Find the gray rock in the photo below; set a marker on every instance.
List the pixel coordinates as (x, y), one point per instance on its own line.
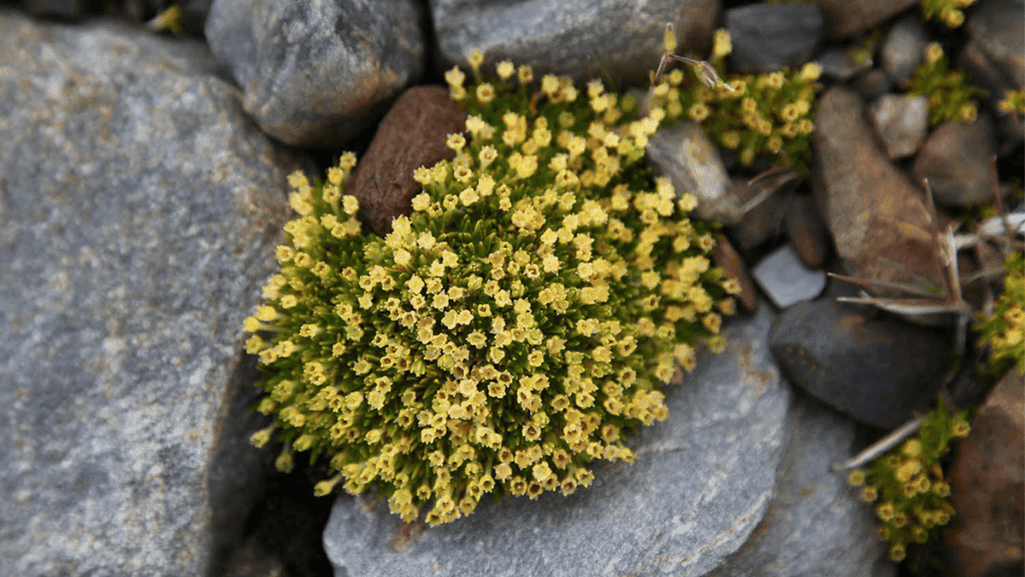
(769, 37)
(316, 73)
(956, 158)
(816, 525)
(901, 123)
(702, 482)
(585, 39)
(995, 57)
(139, 209)
(846, 18)
(876, 370)
(786, 279)
(842, 63)
(902, 49)
(690, 160)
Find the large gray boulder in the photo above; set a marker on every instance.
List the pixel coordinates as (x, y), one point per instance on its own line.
(138, 211)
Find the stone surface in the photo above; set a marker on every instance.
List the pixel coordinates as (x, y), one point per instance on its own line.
(685, 154)
(880, 223)
(315, 73)
(769, 37)
(901, 123)
(807, 233)
(816, 524)
(876, 370)
(139, 209)
(617, 39)
(841, 63)
(411, 135)
(786, 280)
(956, 159)
(987, 485)
(702, 482)
(902, 50)
(995, 57)
(850, 17)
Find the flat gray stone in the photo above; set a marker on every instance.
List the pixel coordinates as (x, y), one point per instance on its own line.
(138, 213)
(582, 38)
(786, 279)
(816, 524)
(702, 481)
(315, 73)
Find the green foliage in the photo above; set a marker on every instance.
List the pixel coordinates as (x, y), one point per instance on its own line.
(908, 483)
(949, 93)
(1004, 329)
(757, 114)
(514, 327)
(948, 11)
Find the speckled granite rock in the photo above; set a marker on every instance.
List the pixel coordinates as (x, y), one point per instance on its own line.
(138, 211)
(316, 73)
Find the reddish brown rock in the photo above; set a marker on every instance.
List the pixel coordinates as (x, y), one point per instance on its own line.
(988, 485)
(726, 256)
(880, 222)
(411, 135)
(806, 231)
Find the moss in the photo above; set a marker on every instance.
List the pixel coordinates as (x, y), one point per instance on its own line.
(1004, 329)
(908, 485)
(758, 115)
(948, 91)
(512, 329)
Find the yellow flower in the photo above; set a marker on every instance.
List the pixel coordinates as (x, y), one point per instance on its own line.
(721, 45)
(810, 72)
(933, 52)
(475, 59)
(525, 74)
(698, 112)
(505, 69)
(485, 93)
(455, 77)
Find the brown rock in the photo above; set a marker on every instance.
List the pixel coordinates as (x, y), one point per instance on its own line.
(988, 485)
(411, 135)
(956, 159)
(880, 223)
(806, 231)
(726, 256)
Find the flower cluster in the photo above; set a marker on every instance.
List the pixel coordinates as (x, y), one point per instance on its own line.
(1004, 329)
(949, 93)
(514, 327)
(756, 114)
(1013, 102)
(948, 11)
(908, 483)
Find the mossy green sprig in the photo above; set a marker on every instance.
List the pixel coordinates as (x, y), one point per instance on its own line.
(908, 484)
(758, 115)
(947, 11)
(514, 327)
(1004, 329)
(948, 91)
